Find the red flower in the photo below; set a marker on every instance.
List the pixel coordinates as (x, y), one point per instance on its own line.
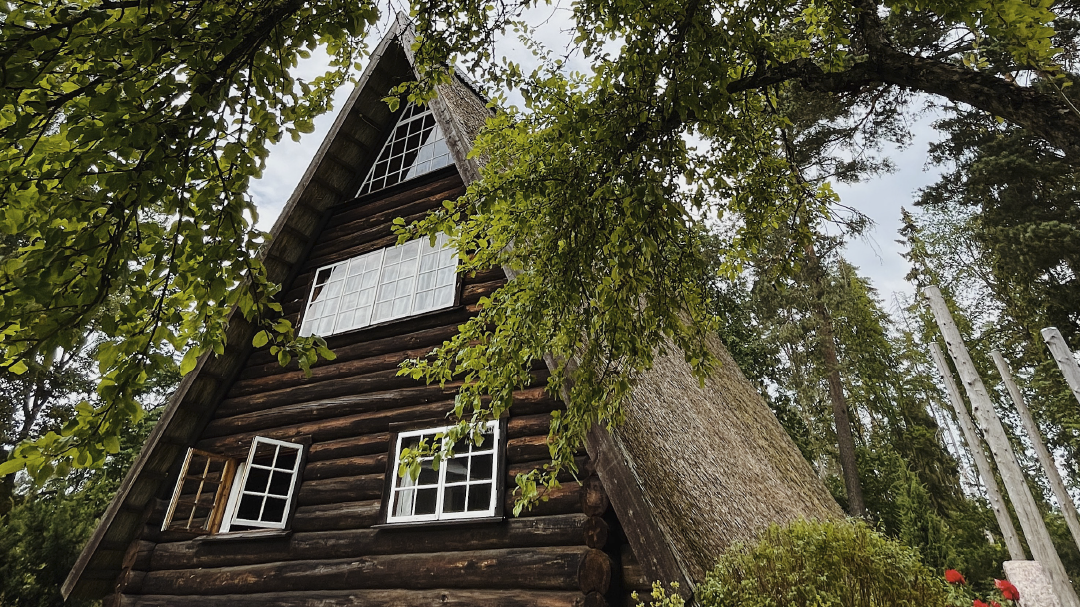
(953, 576)
(995, 604)
(978, 603)
(1007, 590)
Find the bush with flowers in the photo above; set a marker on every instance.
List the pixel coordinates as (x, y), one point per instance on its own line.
(830, 564)
(960, 595)
(824, 564)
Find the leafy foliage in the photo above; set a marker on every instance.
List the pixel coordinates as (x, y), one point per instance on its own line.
(43, 534)
(823, 564)
(130, 132)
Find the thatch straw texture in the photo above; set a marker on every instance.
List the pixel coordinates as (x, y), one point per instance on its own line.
(715, 465)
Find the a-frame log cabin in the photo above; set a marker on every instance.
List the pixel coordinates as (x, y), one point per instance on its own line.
(259, 486)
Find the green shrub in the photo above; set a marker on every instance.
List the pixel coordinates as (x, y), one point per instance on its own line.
(822, 564)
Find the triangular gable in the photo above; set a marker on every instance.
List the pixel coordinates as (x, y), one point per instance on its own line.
(334, 176)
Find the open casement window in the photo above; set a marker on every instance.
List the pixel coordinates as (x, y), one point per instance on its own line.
(416, 146)
(218, 494)
(263, 495)
(383, 285)
(198, 502)
(465, 486)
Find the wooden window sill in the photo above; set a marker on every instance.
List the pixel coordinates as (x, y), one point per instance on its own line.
(485, 520)
(261, 534)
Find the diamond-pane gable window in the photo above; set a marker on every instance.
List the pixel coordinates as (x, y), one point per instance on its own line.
(416, 146)
(383, 285)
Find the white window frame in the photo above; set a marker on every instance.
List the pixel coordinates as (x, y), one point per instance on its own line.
(231, 517)
(400, 484)
(430, 154)
(348, 291)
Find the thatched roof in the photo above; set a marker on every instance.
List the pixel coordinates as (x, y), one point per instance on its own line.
(691, 470)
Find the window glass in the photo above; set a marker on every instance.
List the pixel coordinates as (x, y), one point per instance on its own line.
(382, 285)
(266, 484)
(463, 487)
(416, 146)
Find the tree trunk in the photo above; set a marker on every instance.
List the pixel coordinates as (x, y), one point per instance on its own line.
(845, 442)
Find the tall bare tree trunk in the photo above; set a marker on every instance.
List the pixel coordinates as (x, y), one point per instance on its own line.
(845, 441)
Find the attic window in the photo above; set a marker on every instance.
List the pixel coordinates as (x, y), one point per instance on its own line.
(216, 493)
(416, 146)
(387, 284)
(465, 486)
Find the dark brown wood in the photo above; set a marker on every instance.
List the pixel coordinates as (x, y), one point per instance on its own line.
(345, 405)
(348, 488)
(596, 532)
(522, 425)
(328, 429)
(528, 448)
(596, 599)
(541, 568)
(369, 382)
(346, 466)
(564, 530)
(350, 447)
(448, 597)
(594, 500)
(355, 345)
(594, 572)
(281, 378)
(337, 515)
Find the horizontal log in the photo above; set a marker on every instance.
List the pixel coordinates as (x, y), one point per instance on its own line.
(351, 446)
(369, 382)
(339, 229)
(346, 466)
(342, 489)
(375, 406)
(446, 186)
(544, 568)
(564, 500)
(330, 248)
(341, 515)
(340, 406)
(448, 597)
(527, 448)
(236, 445)
(528, 425)
(281, 378)
(380, 239)
(564, 530)
(262, 362)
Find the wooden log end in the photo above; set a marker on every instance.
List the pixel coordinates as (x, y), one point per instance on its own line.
(594, 572)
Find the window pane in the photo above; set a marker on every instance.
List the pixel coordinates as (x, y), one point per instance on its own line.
(426, 501)
(454, 498)
(428, 475)
(481, 467)
(404, 502)
(280, 482)
(250, 505)
(257, 480)
(457, 470)
(286, 458)
(274, 510)
(479, 497)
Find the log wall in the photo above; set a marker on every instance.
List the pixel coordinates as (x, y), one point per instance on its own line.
(565, 552)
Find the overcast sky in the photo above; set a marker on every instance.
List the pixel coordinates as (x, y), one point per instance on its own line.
(877, 255)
